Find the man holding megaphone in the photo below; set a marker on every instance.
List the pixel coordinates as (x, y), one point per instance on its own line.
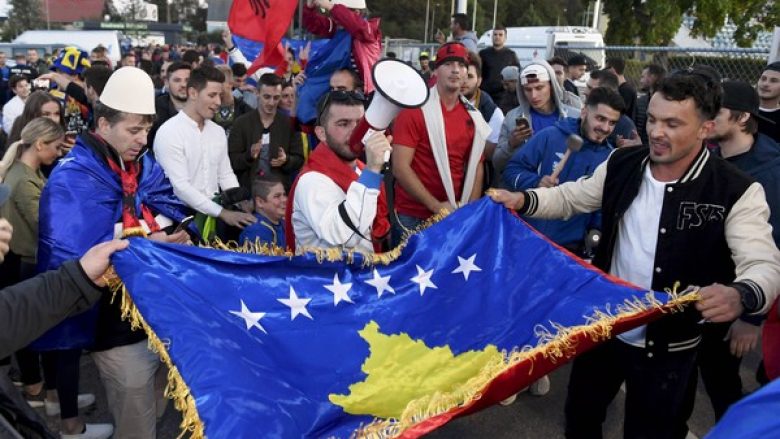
(337, 200)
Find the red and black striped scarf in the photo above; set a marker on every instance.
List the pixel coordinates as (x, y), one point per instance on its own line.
(131, 224)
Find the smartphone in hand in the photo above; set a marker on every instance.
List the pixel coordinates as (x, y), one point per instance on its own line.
(41, 84)
(522, 123)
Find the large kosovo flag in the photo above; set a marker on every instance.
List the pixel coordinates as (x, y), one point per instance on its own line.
(470, 311)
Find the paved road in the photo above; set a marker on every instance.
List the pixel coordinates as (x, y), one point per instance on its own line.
(529, 417)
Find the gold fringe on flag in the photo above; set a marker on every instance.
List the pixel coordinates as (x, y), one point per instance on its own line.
(177, 389)
(555, 343)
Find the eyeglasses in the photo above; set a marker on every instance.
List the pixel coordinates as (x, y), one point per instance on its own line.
(340, 96)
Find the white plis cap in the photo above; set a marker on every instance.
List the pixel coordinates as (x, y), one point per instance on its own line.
(129, 90)
(352, 4)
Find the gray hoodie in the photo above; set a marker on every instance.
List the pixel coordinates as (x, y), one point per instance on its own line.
(503, 150)
(469, 39)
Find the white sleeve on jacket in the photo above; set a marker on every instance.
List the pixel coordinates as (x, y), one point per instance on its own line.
(169, 152)
(749, 236)
(568, 199)
(316, 218)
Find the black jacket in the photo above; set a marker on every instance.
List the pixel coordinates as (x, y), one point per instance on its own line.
(30, 308)
(692, 247)
(713, 228)
(248, 129)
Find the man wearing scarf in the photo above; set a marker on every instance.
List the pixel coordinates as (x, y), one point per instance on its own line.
(104, 189)
(337, 200)
(438, 147)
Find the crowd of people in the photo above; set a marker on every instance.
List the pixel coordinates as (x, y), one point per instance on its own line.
(677, 183)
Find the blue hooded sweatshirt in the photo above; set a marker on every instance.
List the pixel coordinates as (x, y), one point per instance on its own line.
(538, 158)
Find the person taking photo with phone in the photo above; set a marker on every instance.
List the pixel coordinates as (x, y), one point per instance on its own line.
(540, 105)
(68, 75)
(264, 143)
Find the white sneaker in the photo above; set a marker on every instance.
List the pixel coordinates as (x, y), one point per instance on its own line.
(540, 387)
(85, 400)
(92, 431)
(509, 401)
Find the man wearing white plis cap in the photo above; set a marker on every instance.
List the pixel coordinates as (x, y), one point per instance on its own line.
(105, 188)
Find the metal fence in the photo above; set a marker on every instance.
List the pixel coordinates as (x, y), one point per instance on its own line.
(735, 63)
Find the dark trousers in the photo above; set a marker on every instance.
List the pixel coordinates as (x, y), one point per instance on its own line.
(719, 368)
(400, 225)
(66, 364)
(657, 391)
(28, 360)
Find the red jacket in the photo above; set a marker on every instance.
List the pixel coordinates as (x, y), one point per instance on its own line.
(366, 36)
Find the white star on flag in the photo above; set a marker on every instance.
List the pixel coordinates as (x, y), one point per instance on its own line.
(423, 279)
(297, 305)
(466, 266)
(381, 283)
(339, 290)
(251, 319)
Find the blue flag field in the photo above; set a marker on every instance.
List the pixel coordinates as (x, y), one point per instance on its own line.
(469, 311)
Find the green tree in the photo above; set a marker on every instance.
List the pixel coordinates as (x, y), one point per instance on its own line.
(406, 18)
(189, 12)
(655, 22)
(23, 15)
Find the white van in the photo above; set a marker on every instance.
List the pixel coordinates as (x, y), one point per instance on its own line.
(547, 41)
(83, 39)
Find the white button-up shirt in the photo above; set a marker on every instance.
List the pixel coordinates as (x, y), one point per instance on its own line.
(195, 161)
(11, 110)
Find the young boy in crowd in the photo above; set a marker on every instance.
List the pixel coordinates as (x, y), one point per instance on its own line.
(270, 203)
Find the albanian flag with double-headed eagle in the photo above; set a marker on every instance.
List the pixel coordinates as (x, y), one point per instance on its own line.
(465, 313)
(263, 21)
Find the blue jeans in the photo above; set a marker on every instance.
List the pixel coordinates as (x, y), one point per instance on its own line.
(401, 225)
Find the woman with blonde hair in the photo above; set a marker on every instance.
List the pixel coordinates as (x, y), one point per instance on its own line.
(20, 169)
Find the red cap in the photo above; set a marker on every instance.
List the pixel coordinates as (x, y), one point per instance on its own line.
(452, 52)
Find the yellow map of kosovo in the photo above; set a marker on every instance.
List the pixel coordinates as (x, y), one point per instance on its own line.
(401, 370)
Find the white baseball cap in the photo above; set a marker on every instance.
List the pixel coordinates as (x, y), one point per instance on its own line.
(352, 4)
(129, 90)
(534, 73)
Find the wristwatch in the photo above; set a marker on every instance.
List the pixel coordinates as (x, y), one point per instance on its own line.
(747, 297)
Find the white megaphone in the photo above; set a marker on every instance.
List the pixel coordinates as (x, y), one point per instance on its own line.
(398, 85)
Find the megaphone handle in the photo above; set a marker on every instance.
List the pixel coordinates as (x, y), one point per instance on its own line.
(370, 132)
